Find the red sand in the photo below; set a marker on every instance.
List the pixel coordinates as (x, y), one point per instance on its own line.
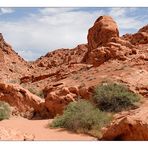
(40, 130)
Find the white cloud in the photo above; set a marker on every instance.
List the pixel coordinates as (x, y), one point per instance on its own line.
(53, 11)
(124, 20)
(6, 10)
(117, 12)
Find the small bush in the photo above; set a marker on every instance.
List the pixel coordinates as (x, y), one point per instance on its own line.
(32, 90)
(40, 94)
(81, 116)
(114, 97)
(35, 92)
(4, 110)
(14, 81)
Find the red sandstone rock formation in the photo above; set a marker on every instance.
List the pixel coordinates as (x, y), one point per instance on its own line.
(58, 98)
(104, 42)
(102, 31)
(12, 66)
(132, 125)
(141, 37)
(22, 101)
(62, 57)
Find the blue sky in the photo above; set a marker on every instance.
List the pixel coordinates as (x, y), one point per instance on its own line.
(33, 32)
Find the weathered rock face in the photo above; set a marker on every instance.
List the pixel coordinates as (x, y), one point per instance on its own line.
(103, 30)
(144, 29)
(132, 125)
(22, 101)
(1, 49)
(117, 48)
(7, 51)
(1, 56)
(1, 52)
(11, 64)
(58, 98)
(61, 57)
(32, 78)
(104, 42)
(141, 37)
(11, 134)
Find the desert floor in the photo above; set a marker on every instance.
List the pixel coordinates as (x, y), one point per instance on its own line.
(39, 129)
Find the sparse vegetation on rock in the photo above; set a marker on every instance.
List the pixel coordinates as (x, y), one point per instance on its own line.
(82, 117)
(36, 92)
(114, 97)
(23, 102)
(14, 81)
(5, 110)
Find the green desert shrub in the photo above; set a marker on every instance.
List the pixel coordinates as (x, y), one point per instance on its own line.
(36, 92)
(83, 117)
(114, 97)
(4, 110)
(40, 94)
(14, 81)
(32, 90)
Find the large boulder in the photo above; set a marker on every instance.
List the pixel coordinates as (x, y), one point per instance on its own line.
(131, 125)
(21, 100)
(57, 99)
(102, 31)
(104, 42)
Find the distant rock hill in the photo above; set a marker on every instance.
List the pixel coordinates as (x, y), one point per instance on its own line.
(12, 66)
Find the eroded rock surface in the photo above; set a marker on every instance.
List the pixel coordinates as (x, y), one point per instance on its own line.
(104, 42)
(57, 100)
(132, 125)
(12, 66)
(21, 100)
(102, 31)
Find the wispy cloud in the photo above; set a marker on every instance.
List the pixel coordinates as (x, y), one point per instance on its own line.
(117, 12)
(6, 10)
(123, 18)
(54, 11)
